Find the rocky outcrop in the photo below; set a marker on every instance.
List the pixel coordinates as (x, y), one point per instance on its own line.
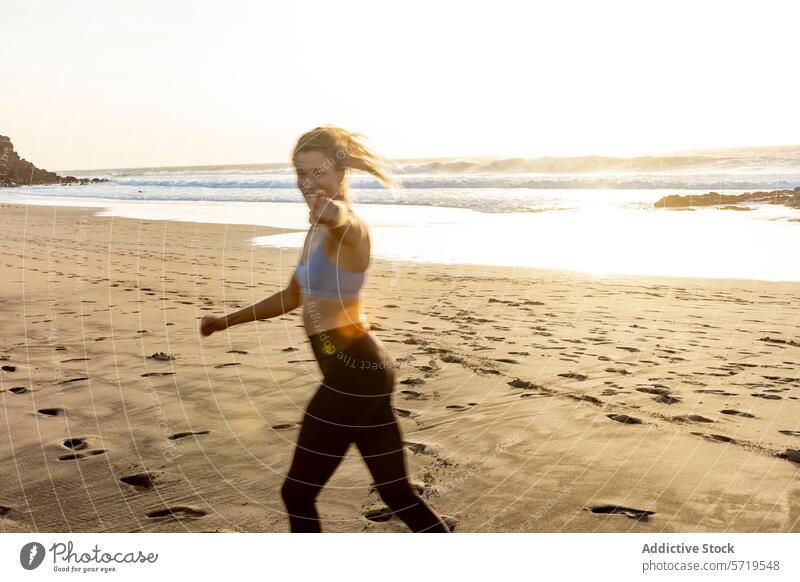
(790, 198)
(16, 171)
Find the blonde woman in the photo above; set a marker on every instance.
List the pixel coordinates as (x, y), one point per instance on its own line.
(354, 402)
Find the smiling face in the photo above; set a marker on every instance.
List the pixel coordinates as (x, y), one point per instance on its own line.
(315, 171)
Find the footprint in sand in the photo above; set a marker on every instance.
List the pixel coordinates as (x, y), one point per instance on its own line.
(792, 455)
(147, 374)
(575, 376)
(83, 455)
(236, 352)
(62, 382)
(732, 412)
(52, 411)
(77, 443)
(178, 513)
(403, 413)
(790, 432)
(412, 381)
(637, 514)
(665, 399)
(624, 418)
(413, 395)
(457, 407)
(767, 396)
(284, 426)
(19, 390)
(586, 398)
(183, 435)
(662, 395)
(524, 384)
(228, 364)
(4, 511)
(717, 392)
(715, 438)
(141, 481)
(419, 448)
(9, 368)
(691, 418)
(659, 391)
(627, 349)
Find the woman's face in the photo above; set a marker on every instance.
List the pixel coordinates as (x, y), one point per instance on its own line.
(315, 172)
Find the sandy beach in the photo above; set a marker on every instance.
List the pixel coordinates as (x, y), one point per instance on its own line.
(531, 400)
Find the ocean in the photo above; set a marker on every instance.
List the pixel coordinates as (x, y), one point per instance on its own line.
(590, 214)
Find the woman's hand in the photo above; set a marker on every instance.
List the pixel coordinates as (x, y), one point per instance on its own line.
(327, 211)
(210, 323)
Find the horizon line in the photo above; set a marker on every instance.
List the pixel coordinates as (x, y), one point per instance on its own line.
(662, 153)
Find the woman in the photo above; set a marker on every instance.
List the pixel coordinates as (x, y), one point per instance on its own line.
(354, 401)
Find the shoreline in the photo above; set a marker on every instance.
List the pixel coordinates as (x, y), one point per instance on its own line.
(507, 271)
(529, 399)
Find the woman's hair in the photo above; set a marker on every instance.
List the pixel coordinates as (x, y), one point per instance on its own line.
(347, 150)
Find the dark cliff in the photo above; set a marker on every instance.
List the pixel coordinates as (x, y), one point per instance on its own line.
(16, 171)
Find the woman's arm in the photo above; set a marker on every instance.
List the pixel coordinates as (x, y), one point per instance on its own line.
(272, 306)
(343, 224)
(282, 302)
(351, 229)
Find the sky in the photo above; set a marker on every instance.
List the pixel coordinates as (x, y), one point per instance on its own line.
(108, 84)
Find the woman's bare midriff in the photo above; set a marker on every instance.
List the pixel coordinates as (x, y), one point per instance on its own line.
(324, 313)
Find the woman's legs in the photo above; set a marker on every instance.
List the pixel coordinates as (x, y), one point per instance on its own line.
(382, 449)
(353, 404)
(321, 445)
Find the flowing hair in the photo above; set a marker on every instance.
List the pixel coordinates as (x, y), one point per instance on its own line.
(345, 149)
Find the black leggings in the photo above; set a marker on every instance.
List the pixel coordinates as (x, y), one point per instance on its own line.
(353, 404)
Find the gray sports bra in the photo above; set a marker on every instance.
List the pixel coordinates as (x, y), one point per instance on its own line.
(317, 276)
